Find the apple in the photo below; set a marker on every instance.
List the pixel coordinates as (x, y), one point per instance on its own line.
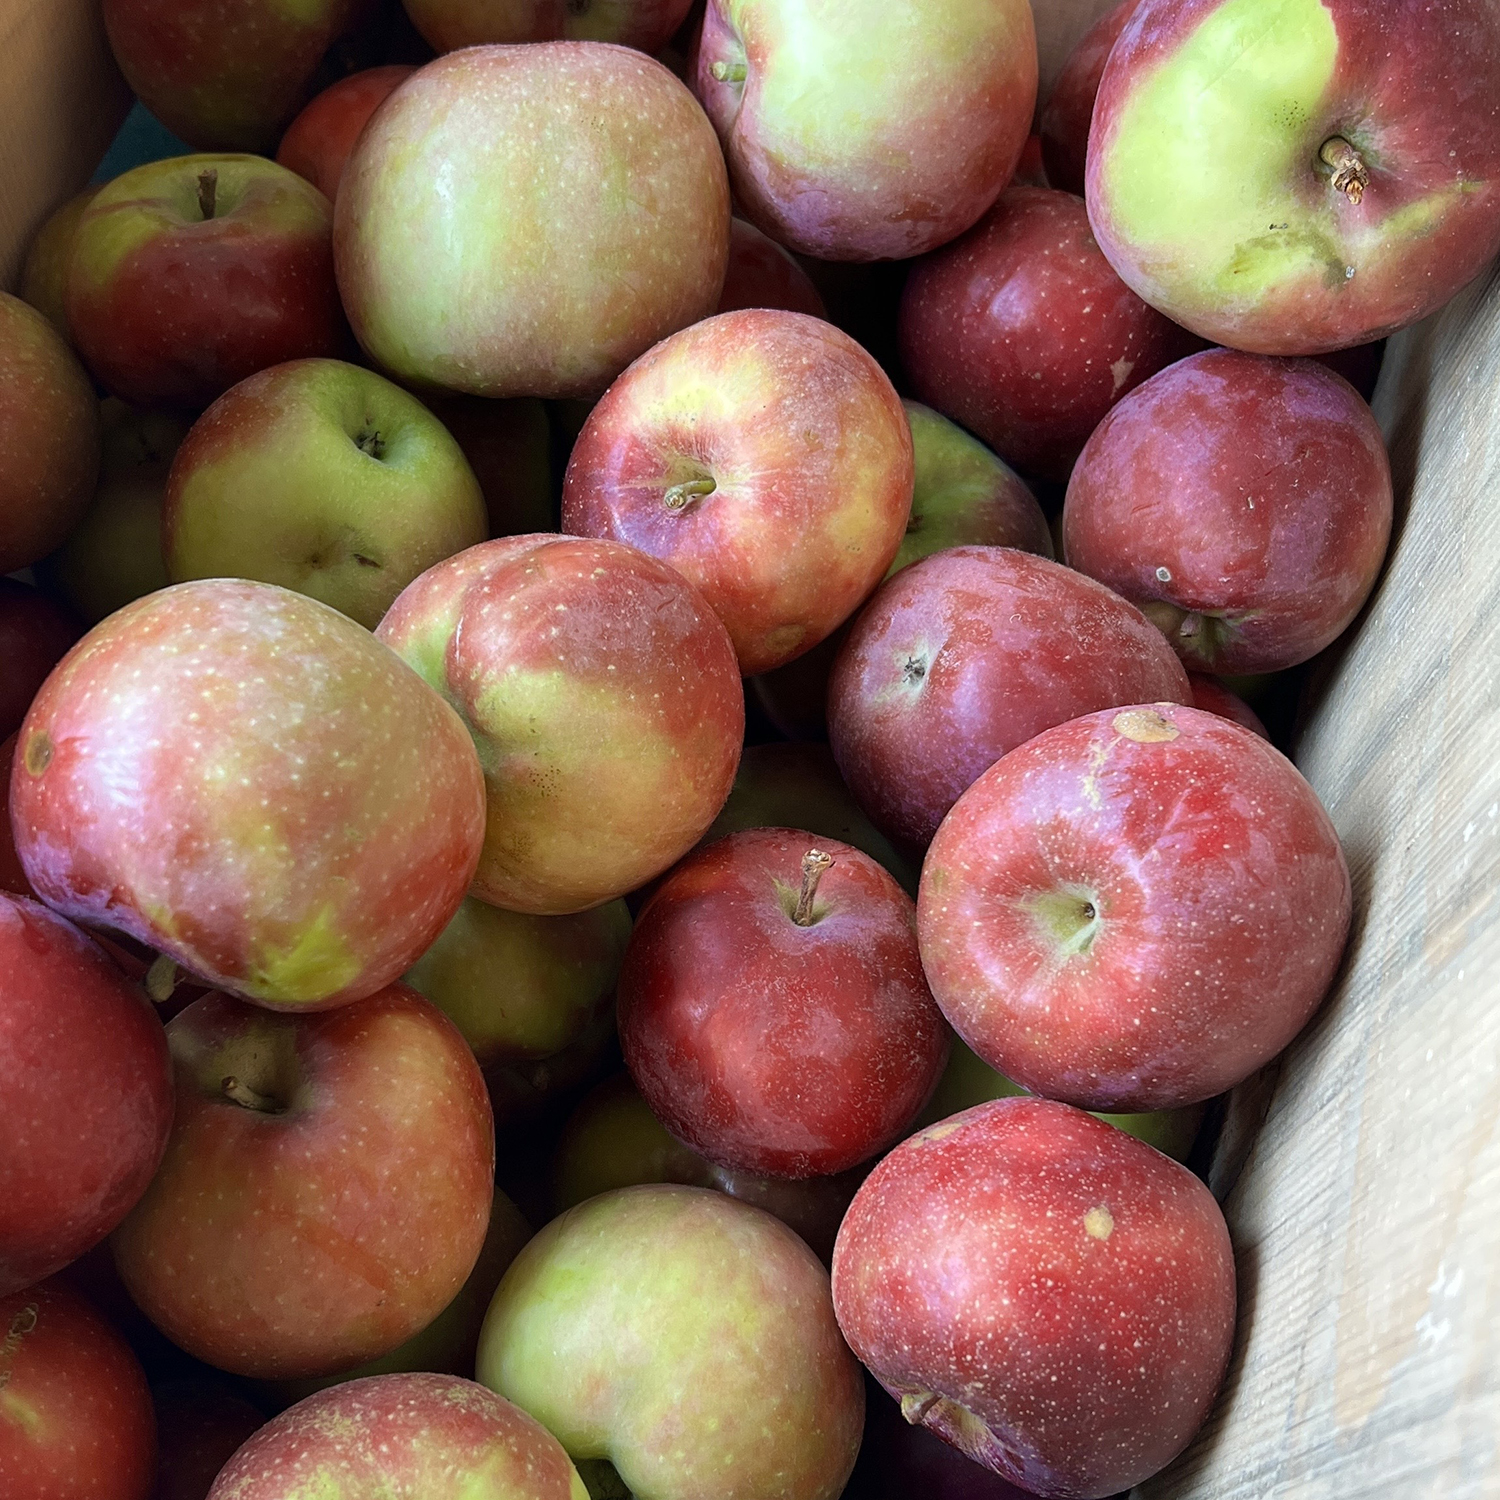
(322, 477)
(509, 447)
(1022, 332)
(75, 1414)
(88, 1093)
(318, 142)
(35, 634)
(765, 456)
(449, 24)
(964, 495)
(772, 1007)
(795, 697)
(966, 655)
(569, 658)
(523, 988)
(782, 785)
(681, 1344)
(1069, 110)
(1213, 697)
(525, 221)
(410, 1435)
(1159, 883)
(189, 274)
(763, 274)
(968, 1080)
(612, 1140)
(1049, 1295)
(1300, 179)
(49, 436)
(531, 1098)
(199, 1427)
(326, 1189)
(44, 277)
(223, 74)
(12, 877)
(113, 555)
(867, 131)
(1243, 503)
(243, 779)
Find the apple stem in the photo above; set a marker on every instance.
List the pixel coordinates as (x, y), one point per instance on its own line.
(208, 192)
(727, 72)
(681, 496)
(161, 979)
(814, 863)
(247, 1098)
(1350, 174)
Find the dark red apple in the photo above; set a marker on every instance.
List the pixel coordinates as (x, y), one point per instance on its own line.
(968, 654)
(245, 780)
(318, 142)
(1022, 332)
(1160, 884)
(763, 274)
(326, 1189)
(75, 1415)
(1069, 110)
(1048, 1294)
(773, 1011)
(35, 633)
(1243, 503)
(766, 457)
(1213, 697)
(88, 1093)
(49, 436)
(199, 1427)
(190, 274)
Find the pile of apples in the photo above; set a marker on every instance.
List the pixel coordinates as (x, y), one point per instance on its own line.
(395, 795)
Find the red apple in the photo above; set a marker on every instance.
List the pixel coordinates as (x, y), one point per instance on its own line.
(244, 779)
(1069, 111)
(509, 447)
(1048, 1294)
(35, 633)
(1354, 181)
(765, 456)
(318, 142)
(49, 436)
(1022, 332)
(323, 477)
(223, 74)
(411, 1435)
(75, 1415)
(762, 274)
(1243, 503)
(773, 1011)
(1159, 883)
(525, 221)
(44, 277)
(966, 655)
(450, 24)
(1213, 697)
(199, 1427)
(88, 1093)
(569, 658)
(326, 1189)
(189, 274)
(867, 131)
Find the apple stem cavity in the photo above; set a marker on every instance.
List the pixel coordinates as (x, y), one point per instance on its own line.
(814, 863)
(370, 441)
(247, 1098)
(681, 497)
(1350, 174)
(208, 192)
(728, 72)
(161, 978)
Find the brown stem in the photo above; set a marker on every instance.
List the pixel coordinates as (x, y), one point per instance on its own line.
(814, 863)
(208, 191)
(681, 496)
(247, 1098)
(161, 979)
(1350, 174)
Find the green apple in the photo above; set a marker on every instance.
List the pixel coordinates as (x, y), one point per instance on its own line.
(322, 477)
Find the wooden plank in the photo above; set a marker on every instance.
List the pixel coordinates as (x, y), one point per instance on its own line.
(1367, 1218)
(63, 101)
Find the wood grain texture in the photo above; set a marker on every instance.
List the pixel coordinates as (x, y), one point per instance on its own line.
(1367, 1217)
(61, 101)
(1059, 25)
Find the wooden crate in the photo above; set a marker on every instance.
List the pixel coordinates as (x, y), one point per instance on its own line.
(1364, 1167)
